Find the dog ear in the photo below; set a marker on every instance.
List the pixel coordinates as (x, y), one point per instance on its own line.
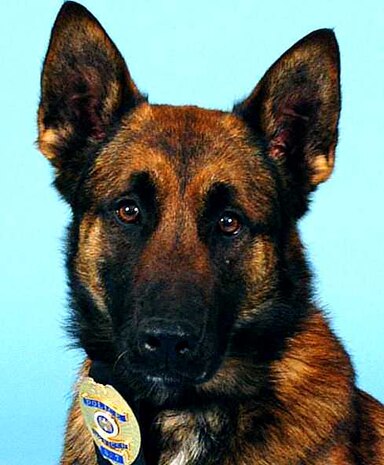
(296, 107)
(85, 88)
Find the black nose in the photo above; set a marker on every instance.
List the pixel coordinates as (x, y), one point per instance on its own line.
(165, 341)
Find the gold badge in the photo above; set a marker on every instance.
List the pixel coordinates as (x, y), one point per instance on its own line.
(111, 422)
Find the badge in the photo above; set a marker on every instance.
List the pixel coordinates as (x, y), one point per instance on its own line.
(111, 422)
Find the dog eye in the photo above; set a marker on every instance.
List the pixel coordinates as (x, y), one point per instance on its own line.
(127, 211)
(230, 224)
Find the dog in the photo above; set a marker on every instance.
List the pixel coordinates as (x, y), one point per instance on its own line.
(187, 276)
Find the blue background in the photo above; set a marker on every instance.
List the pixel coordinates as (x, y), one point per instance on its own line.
(210, 54)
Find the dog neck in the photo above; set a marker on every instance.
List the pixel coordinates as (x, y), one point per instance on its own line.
(313, 386)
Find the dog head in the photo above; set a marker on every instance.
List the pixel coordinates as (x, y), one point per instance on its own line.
(185, 267)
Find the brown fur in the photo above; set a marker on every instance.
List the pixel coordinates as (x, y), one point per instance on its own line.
(317, 408)
(295, 404)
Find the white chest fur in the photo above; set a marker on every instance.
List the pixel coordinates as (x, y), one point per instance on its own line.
(180, 459)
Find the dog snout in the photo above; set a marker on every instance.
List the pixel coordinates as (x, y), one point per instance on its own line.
(167, 342)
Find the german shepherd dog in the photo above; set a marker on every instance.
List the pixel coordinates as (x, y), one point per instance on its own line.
(187, 276)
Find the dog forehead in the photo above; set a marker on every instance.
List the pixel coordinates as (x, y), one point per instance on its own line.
(183, 131)
(182, 148)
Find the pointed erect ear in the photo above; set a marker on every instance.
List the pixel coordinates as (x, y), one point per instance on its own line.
(296, 107)
(85, 89)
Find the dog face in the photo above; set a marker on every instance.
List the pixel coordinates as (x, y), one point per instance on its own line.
(183, 256)
(174, 236)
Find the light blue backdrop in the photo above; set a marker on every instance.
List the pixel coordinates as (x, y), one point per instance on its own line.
(209, 53)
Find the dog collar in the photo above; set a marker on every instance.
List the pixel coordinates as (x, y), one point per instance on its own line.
(111, 422)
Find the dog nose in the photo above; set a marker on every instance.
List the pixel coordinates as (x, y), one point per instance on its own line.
(166, 342)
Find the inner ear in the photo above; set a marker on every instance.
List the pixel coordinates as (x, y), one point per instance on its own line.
(296, 106)
(289, 133)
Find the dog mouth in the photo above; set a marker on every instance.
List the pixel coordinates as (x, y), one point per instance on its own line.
(159, 389)
(159, 385)
(168, 377)
(165, 361)
(175, 380)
